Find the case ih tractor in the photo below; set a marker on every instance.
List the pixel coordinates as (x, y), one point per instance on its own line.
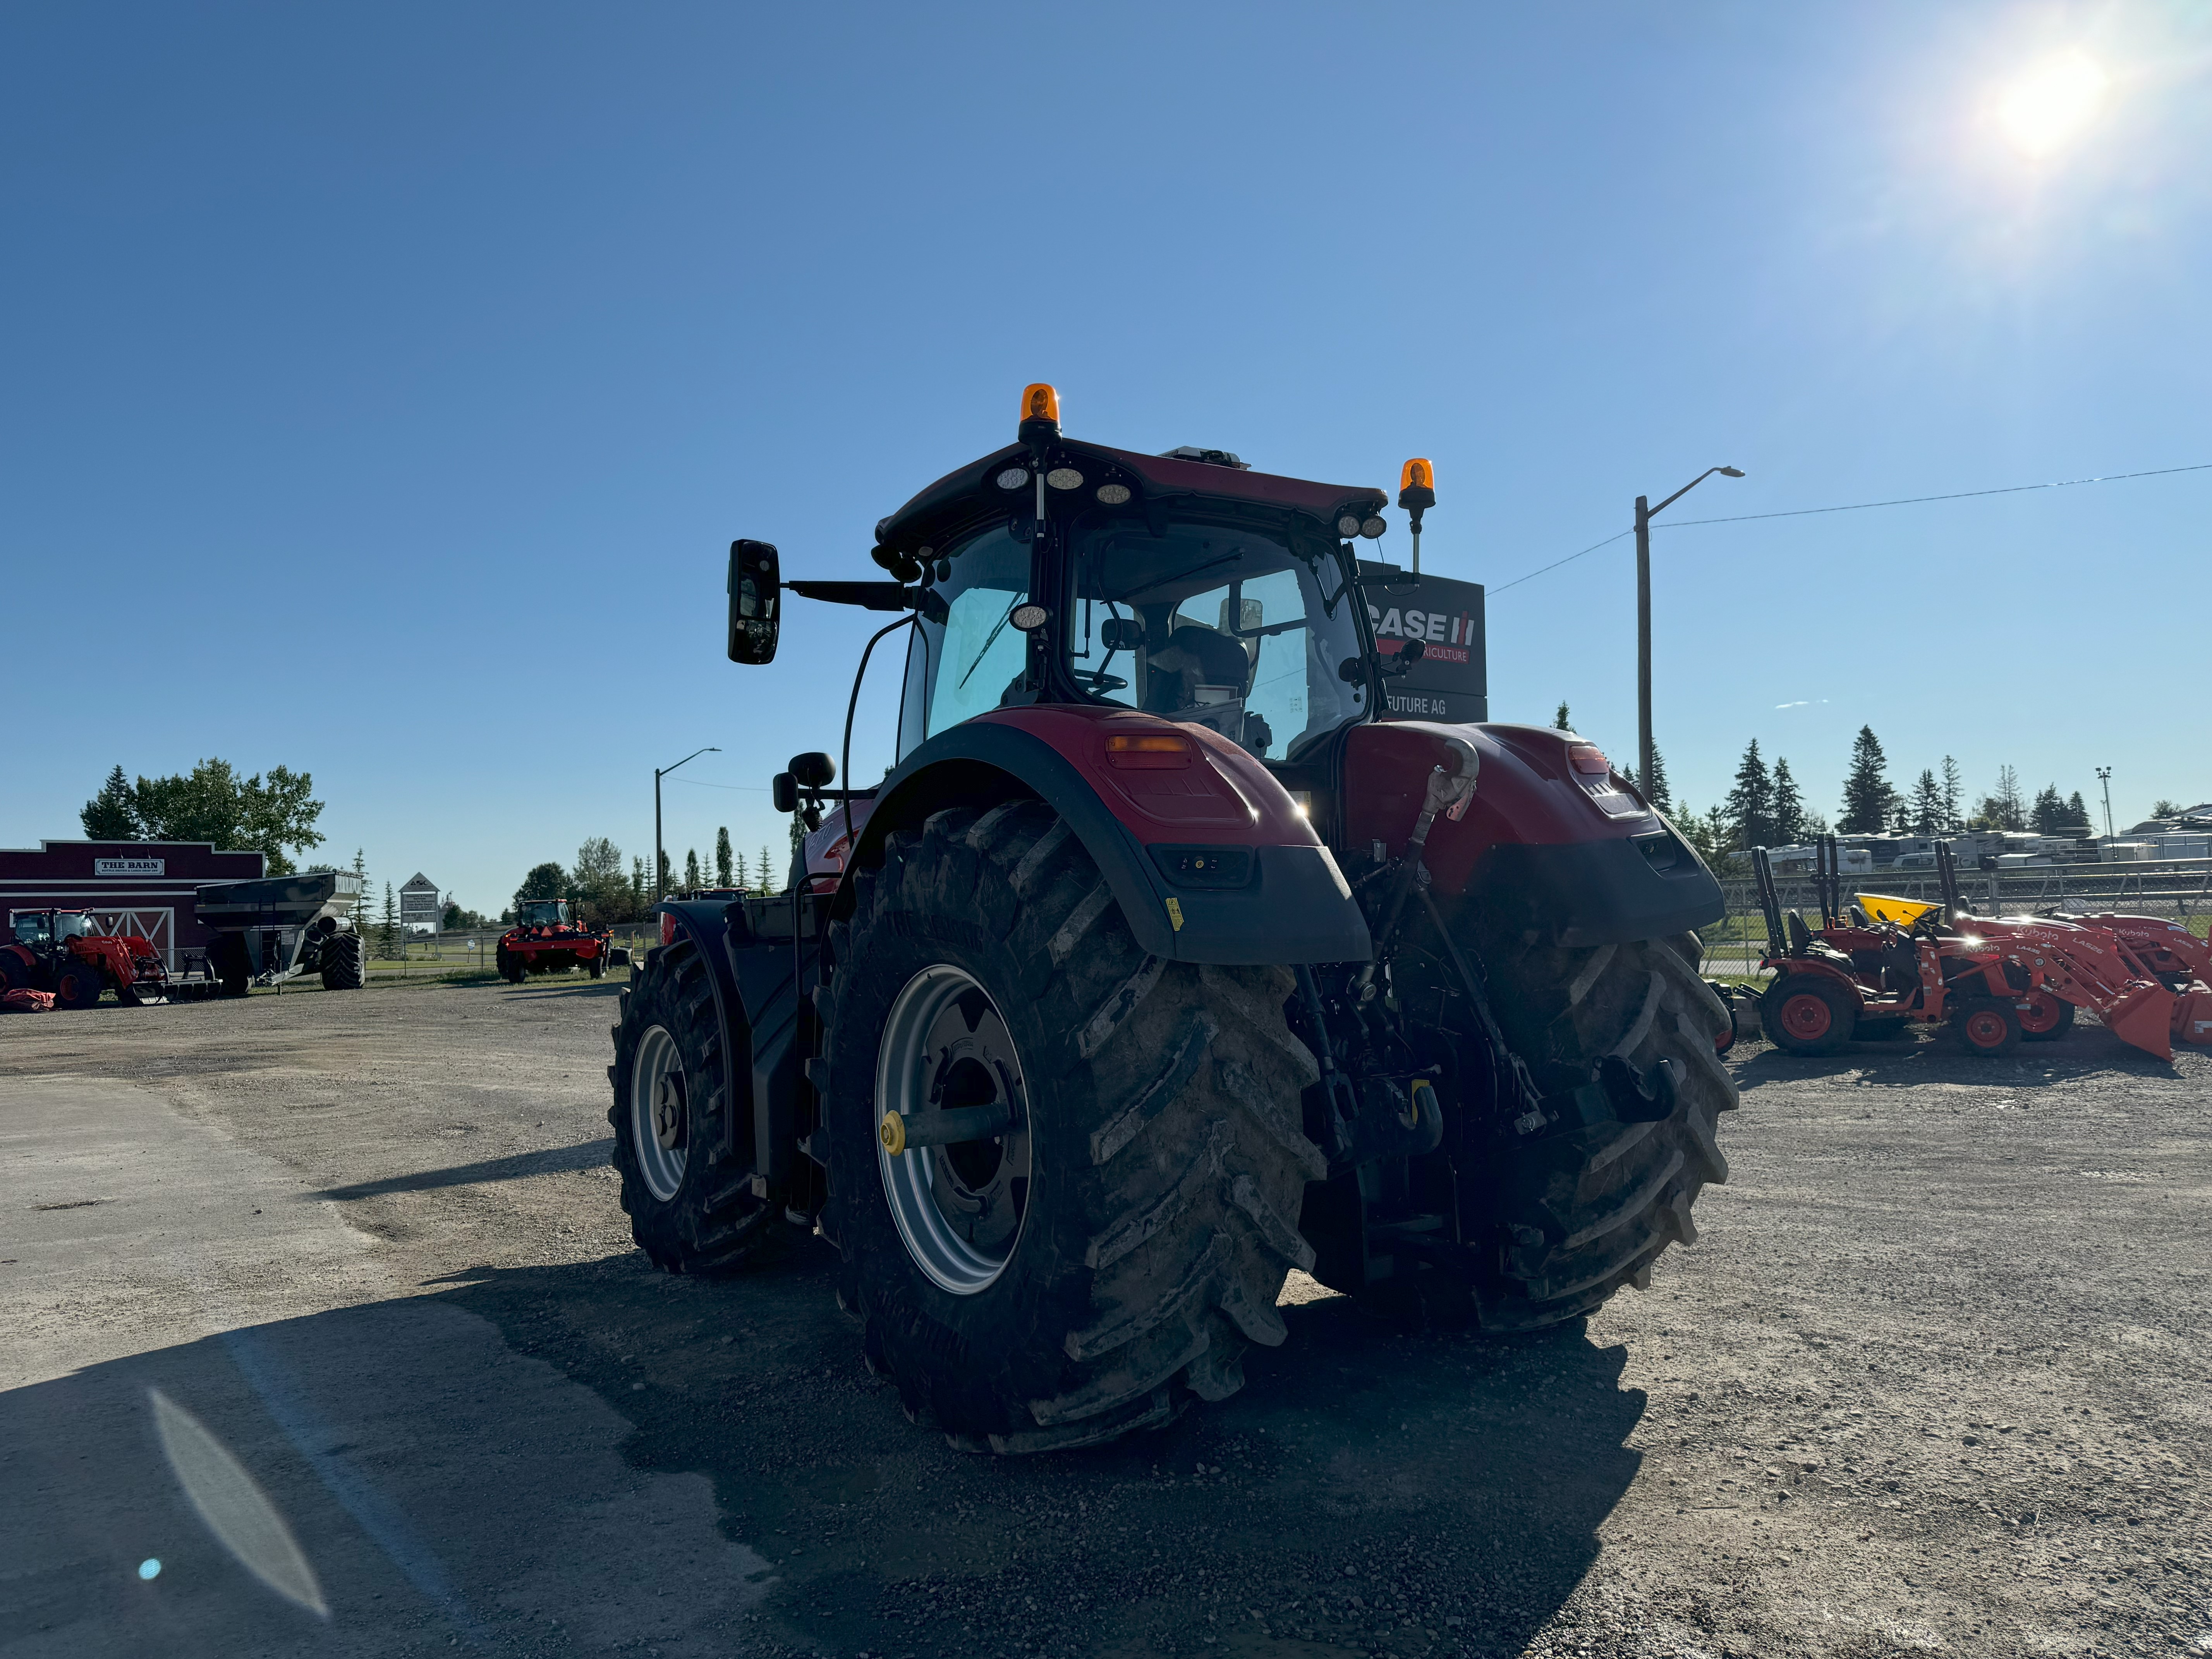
(63, 952)
(545, 940)
(1158, 965)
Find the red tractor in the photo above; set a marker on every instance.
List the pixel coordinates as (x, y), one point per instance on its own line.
(63, 952)
(1161, 964)
(546, 940)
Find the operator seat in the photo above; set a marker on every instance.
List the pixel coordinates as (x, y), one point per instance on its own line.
(1194, 655)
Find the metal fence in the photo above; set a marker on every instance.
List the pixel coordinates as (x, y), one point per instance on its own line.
(2177, 888)
(435, 956)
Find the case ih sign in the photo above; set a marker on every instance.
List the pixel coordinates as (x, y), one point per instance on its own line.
(1452, 681)
(145, 888)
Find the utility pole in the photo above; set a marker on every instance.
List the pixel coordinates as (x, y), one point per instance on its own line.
(660, 855)
(1645, 514)
(2105, 777)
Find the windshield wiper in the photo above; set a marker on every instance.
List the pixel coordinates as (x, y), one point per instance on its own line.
(996, 630)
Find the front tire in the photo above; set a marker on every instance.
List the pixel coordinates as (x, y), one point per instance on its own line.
(2044, 1019)
(77, 983)
(1110, 1256)
(1806, 1014)
(1988, 1025)
(690, 1209)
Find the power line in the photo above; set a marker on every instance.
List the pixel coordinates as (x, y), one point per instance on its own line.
(743, 788)
(1860, 507)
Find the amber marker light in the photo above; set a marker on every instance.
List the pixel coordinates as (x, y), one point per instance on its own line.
(1040, 402)
(1417, 476)
(1148, 751)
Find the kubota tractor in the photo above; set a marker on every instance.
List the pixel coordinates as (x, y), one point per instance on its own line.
(63, 952)
(1159, 965)
(546, 940)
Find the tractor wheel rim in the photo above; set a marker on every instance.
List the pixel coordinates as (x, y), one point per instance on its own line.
(1807, 1016)
(659, 1112)
(960, 1209)
(2039, 1013)
(1984, 1030)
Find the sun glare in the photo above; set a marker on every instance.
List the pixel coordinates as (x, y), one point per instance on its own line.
(2052, 103)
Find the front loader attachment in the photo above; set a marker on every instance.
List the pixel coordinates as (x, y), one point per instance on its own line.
(2143, 1015)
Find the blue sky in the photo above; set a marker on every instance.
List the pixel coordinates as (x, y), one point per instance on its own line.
(383, 386)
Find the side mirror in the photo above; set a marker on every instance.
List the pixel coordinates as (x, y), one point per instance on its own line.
(1121, 634)
(783, 791)
(755, 591)
(814, 770)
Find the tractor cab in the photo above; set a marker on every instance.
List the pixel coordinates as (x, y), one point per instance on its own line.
(541, 912)
(43, 929)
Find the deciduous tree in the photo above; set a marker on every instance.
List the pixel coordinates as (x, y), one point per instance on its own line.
(725, 869)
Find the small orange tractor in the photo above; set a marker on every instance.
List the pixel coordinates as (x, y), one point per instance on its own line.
(2171, 954)
(63, 952)
(546, 940)
(1896, 962)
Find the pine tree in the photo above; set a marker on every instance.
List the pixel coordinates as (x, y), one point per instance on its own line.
(1789, 807)
(1954, 800)
(2002, 808)
(1925, 812)
(641, 890)
(361, 902)
(113, 814)
(1750, 805)
(1655, 790)
(2048, 815)
(387, 930)
(1561, 722)
(767, 872)
(1867, 793)
(724, 874)
(797, 837)
(2077, 810)
(744, 883)
(691, 883)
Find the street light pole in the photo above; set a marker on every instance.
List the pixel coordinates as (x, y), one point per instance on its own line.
(659, 852)
(1645, 514)
(2105, 777)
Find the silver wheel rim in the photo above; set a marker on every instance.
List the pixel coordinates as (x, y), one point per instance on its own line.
(960, 1209)
(659, 1112)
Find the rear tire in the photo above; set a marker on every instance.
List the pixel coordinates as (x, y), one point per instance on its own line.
(599, 963)
(77, 983)
(16, 974)
(1147, 1194)
(1807, 1014)
(1576, 1211)
(344, 969)
(2046, 1019)
(690, 1210)
(1988, 1026)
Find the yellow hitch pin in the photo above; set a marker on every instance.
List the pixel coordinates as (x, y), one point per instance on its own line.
(892, 1133)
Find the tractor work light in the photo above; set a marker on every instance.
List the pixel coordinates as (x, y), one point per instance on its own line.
(1029, 617)
(1373, 527)
(1113, 494)
(1013, 477)
(1063, 477)
(1149, 751)
(1348, 526)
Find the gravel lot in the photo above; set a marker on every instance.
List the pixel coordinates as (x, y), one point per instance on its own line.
(1935, 1380)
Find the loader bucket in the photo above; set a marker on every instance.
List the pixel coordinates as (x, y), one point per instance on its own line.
(2143, 1015)
(1904, 912)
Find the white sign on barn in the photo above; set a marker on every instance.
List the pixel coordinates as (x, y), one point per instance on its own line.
(419, 907)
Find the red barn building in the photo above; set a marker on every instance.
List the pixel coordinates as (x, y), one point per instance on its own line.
(143, 887)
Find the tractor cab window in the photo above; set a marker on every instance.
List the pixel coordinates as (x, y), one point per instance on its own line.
(963, 660)
(541, 912)
(73, 924)
(34, 929)
(1222, 626)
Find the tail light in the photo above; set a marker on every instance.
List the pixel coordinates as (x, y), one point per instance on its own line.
(1589, 759)
(1149, 751)
(667, 927)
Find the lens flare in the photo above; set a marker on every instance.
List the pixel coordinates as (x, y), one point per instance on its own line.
(2052, 103)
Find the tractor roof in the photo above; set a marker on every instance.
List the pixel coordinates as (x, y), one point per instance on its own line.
(969, 498)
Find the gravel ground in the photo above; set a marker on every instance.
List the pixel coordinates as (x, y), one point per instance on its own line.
(1933, 1382)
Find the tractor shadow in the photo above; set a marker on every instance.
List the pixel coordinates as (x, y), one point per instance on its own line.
(1366, 1478)
(2090, 1049)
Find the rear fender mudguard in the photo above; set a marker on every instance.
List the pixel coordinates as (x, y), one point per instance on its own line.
(1295, 906)
(1545, 850)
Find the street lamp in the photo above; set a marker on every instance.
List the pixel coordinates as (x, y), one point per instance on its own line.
(2105, 777)
(659, 854)
(1644, 515)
